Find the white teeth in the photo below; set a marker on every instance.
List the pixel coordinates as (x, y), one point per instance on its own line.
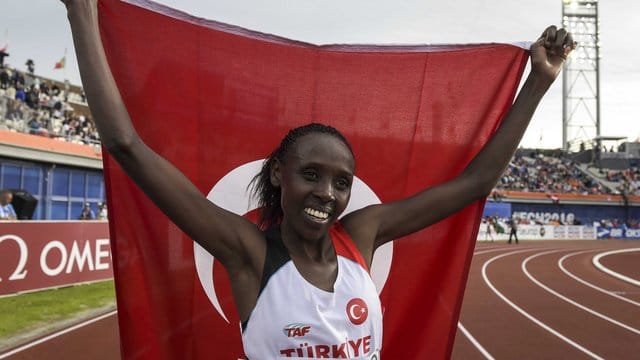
(315, 213)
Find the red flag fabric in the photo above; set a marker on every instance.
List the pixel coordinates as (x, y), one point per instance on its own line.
(213, 99)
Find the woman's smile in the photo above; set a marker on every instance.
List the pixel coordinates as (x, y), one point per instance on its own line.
(317, 215)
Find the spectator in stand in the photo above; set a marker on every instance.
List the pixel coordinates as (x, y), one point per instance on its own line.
(17, 78)
(102, 211)
(20, 94)
(4, 78)
(34, 126)
(31, 66)
(64, 130)
(10, 92)
(15, 110)
(87, 213)
(6, 209)
(33, 97)
(55, 90)
(44, 88)
(3, 54)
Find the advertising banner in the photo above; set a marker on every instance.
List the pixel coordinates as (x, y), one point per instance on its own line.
(40, 255)
(539, 232)
(570, 213)
(622, 232)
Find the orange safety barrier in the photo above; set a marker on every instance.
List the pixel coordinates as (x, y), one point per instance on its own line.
(49, 144)
(566, 196)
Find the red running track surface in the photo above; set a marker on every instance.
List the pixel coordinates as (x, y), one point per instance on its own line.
(553, 303)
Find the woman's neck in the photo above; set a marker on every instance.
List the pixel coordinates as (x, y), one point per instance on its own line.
(315, 249)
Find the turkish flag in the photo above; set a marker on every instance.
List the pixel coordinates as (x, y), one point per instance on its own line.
(213, 99)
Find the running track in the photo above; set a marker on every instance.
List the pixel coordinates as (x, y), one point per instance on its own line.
(536, 300)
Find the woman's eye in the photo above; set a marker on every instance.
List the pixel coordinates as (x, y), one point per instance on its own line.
(342, 184)
(310, 175)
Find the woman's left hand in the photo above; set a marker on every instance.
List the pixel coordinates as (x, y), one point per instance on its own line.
(550, 51)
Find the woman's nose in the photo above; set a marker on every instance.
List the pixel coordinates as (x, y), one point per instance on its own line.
(325, 191)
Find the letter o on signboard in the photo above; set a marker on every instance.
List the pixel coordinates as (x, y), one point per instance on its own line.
(19, 273)
(43, 258)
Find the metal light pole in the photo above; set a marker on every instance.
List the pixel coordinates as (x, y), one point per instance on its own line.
(581, 75)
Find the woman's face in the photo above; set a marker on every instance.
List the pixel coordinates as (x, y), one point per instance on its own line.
(315, 178)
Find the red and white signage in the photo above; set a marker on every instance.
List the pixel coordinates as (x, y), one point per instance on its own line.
(40, 255)
(540, 232)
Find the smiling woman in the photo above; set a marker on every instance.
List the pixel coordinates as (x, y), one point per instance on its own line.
(269, 193)
(315, 180)
(301, 280)
(304, 187)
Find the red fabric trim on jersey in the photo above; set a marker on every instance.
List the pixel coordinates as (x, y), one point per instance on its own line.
(345, 246)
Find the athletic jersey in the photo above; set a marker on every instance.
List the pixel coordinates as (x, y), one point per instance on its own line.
(294, 319)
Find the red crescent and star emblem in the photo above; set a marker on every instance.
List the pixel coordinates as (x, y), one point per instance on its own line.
(357, 311)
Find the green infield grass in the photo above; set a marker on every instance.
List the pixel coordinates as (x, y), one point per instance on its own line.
(30, 311)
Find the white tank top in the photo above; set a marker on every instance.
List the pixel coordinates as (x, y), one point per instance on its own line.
(294, 319)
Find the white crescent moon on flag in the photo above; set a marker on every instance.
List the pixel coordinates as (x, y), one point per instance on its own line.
(352, 311)
(233, 194)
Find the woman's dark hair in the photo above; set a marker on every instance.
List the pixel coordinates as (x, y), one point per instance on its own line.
(268, 196)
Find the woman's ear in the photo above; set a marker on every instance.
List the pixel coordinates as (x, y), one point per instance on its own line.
(275, 173)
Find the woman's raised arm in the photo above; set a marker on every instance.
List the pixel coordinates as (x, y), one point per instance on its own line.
(230, 238)
(379, 224)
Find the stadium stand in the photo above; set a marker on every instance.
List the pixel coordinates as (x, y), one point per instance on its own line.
(536, 172)
(44, 107)
(559, 182)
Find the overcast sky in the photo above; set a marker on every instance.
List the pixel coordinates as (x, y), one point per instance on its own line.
(38, 29)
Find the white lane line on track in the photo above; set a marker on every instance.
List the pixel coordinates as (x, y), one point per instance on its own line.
(55, 335)
(596, 262)
(575, 277)
(464, 330)
(475, 342)
(526, 314)
(574, 303)
(480, 252)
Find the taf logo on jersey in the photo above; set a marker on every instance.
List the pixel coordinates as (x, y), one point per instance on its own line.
(296, 330)
(357, 311)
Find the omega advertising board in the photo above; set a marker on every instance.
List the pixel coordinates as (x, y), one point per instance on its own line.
(42, 254)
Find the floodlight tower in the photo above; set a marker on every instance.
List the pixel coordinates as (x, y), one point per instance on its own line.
(581, 75)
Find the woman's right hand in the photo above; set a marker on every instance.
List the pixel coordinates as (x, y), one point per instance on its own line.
(550, 51)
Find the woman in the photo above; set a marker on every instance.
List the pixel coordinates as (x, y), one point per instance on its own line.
(304, 186)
